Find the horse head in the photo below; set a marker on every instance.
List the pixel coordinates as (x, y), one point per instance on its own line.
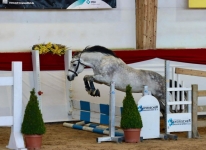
(76, 67)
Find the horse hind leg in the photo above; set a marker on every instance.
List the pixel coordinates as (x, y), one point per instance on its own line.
(162, 108)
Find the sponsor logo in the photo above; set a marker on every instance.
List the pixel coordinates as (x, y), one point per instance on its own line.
(88, 1)
(173, 122)
(21, 3)
(4, 1)
(147, 108)
(113, 92)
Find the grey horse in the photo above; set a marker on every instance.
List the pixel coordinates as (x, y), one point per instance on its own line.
(108, 67)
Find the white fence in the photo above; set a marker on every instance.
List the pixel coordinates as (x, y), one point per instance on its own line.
(195, 94)
(16, 139)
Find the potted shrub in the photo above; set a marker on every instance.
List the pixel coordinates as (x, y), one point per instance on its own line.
(33, 126)
(131, 121)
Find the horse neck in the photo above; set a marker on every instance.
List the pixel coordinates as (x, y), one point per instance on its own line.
(91, 59)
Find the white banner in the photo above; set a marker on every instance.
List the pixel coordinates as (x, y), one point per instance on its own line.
(179, 122)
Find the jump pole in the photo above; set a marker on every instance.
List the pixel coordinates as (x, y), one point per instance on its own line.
(37, 78)
(167, 77)
(111, 136)
(97, 129)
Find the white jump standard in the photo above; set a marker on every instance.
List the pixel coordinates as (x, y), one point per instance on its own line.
(177, 122)
(16, 141)
(111, 136)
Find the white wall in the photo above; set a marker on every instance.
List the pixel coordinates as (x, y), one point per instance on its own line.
(114, 28)
(180, 27)
(177, 26)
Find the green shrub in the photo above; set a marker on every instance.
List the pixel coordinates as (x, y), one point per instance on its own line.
(130, 118)
(33, 122)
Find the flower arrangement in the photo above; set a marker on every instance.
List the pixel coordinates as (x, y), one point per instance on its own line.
(57, 49)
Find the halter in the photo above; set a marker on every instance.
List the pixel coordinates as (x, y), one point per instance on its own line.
(75, 72)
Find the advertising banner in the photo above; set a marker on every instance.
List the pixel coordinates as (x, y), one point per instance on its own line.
(197, 3)
(57, 4)
(179, 122)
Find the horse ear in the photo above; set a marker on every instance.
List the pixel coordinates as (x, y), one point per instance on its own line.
(76, 53)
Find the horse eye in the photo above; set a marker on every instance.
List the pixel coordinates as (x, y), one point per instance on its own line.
(74, 65)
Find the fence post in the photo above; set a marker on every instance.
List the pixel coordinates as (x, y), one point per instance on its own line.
(195, 133)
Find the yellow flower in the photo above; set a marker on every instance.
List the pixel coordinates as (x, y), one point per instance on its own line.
(57, 49)
(49, 45)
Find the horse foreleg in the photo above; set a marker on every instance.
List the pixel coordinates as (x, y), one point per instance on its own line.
(90, 88)
(87, 87)
(94, 92)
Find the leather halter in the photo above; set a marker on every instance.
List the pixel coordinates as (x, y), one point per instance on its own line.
(75, 72)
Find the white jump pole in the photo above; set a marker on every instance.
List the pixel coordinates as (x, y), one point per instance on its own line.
(111, 136)
(167, 77)
(36, 76)
(167, 107)
(67, 60)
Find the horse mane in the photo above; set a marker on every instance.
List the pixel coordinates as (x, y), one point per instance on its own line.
(99, 49)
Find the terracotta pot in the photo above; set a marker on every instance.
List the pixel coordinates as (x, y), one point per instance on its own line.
(33, 142)
(132, 135)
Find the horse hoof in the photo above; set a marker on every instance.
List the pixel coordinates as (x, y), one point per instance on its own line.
(97, 93)
(92, 92)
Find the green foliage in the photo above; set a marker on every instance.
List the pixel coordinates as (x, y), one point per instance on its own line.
(33, 122)
(130, 118)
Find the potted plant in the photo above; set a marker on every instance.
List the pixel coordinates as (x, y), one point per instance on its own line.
(131, 121)
(33, 126)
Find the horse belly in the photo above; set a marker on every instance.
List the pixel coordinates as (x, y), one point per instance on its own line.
(121, 86)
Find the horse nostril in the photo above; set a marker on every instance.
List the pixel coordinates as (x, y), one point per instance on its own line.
(70, 78)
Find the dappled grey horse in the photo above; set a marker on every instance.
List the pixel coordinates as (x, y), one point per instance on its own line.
(108, 67)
